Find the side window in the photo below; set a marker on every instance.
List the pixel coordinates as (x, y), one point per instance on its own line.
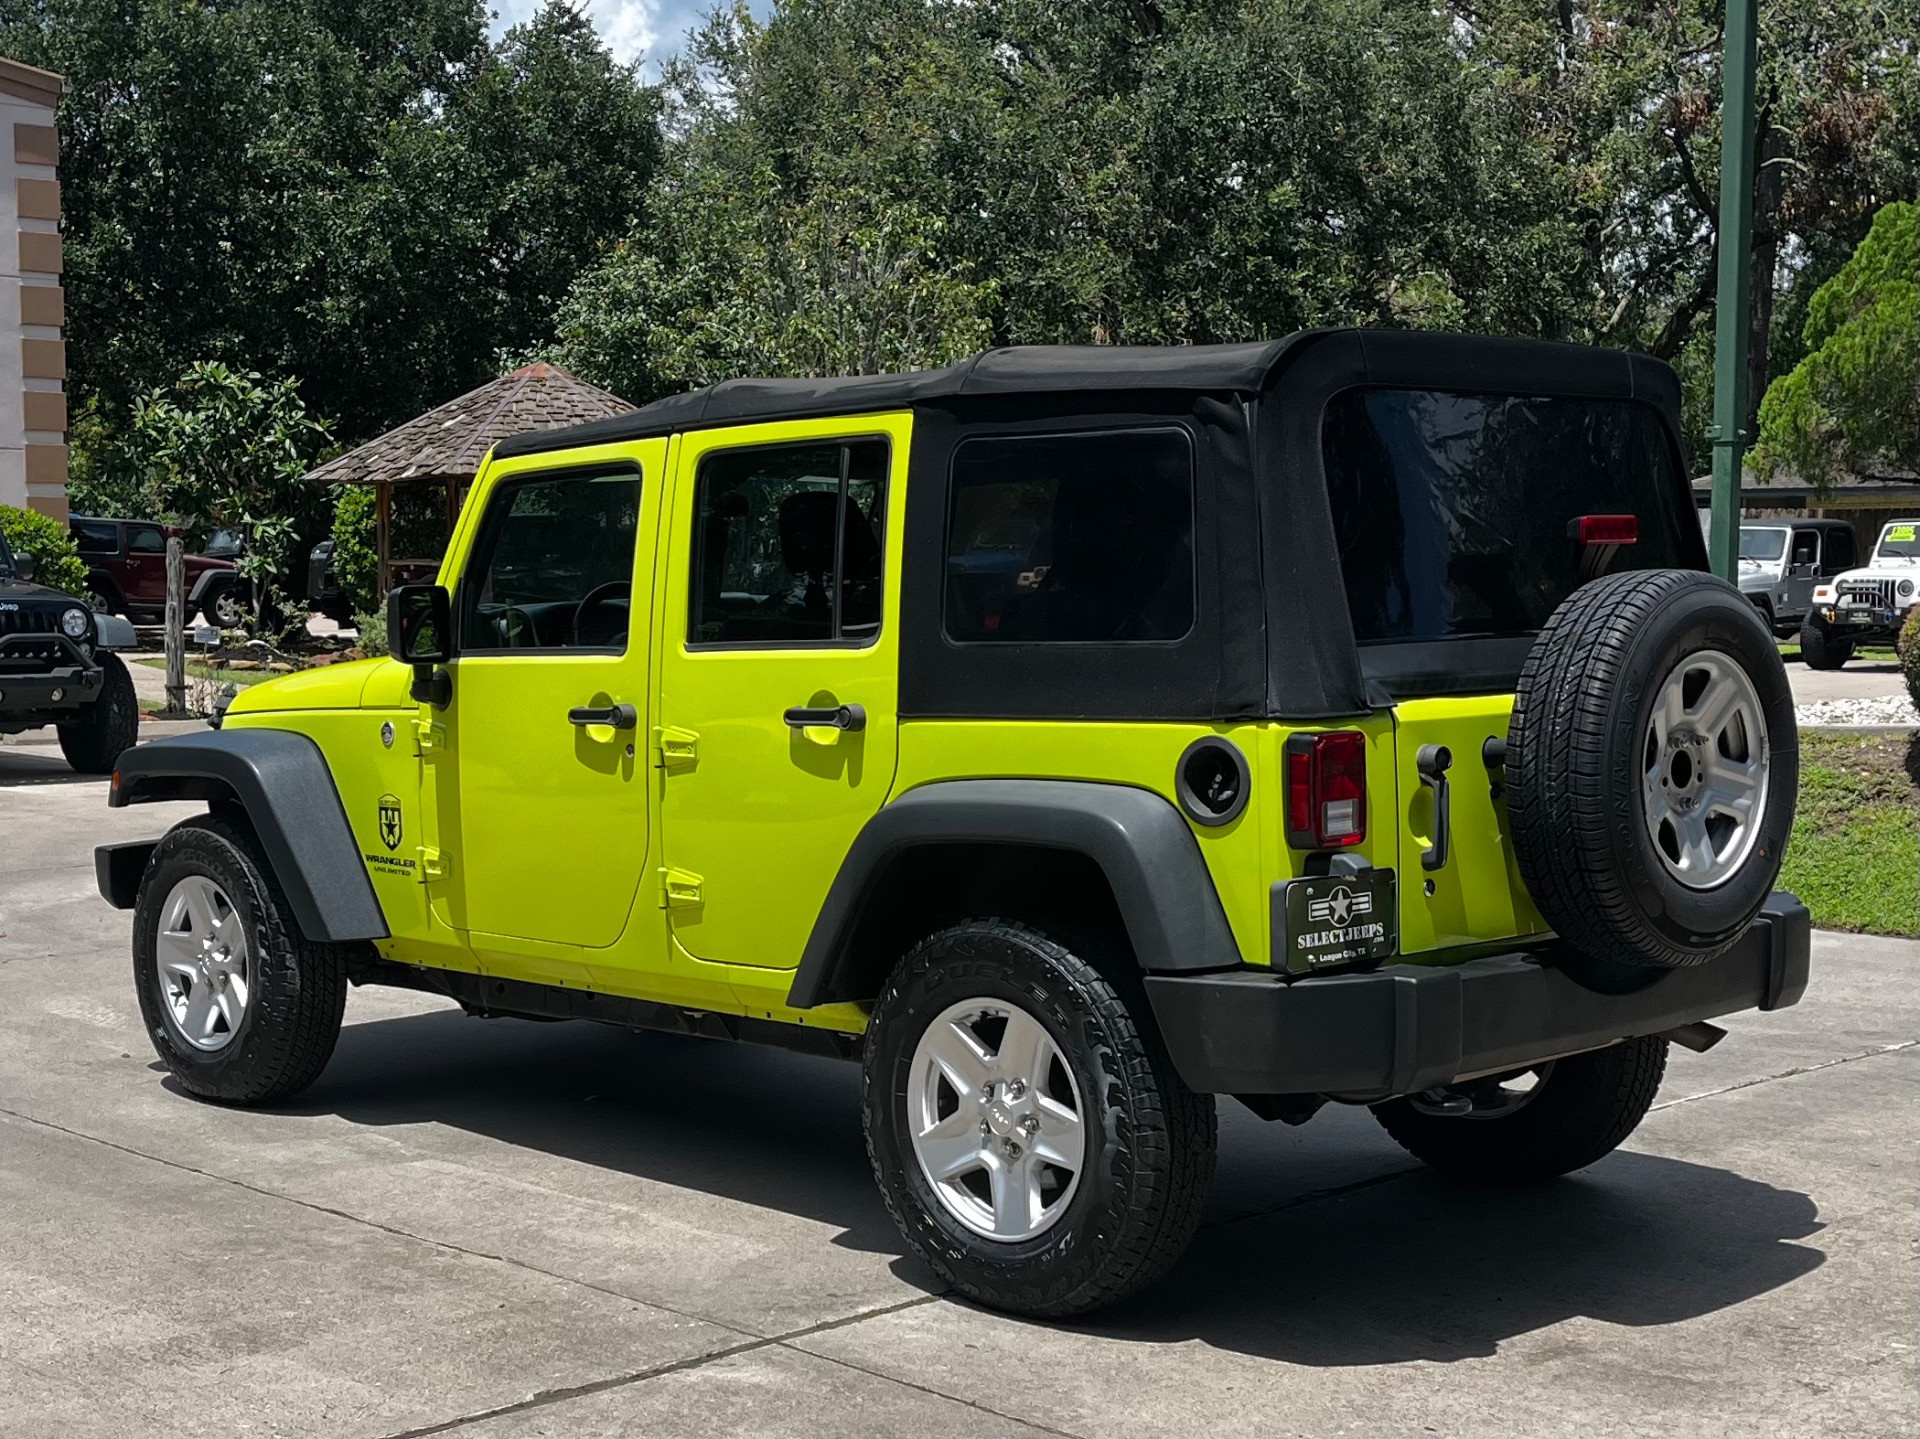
(1065, 538)
(146, 540)
(1806, 547)
(553, 566)
(1841, 554)
(93, 539)
(788, 543)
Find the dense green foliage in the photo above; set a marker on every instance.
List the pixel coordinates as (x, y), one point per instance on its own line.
(863, 183)
(1853, 404)
(360, 194)
(225, 449)
(56, 563)
(1908, 647)
(356, 553)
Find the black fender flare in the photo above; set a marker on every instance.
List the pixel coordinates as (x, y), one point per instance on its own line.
(282, 781)
(1138, 839)
(211, 582)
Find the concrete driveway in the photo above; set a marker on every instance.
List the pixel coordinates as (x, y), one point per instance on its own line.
(500, 1228)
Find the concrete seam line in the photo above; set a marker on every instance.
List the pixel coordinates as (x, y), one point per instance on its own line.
(453, 1248)
(548, 1397)
(1788, 1074)
(931, 1392)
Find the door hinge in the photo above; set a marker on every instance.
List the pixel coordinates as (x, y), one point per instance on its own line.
(675, 748)
(679, 888)
(428, 737)
(433, 864)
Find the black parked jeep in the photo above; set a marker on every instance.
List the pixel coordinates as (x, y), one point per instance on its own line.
(56, 668)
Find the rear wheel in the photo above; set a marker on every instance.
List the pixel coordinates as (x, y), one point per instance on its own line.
(1029, 1137)
(106, 728)
(240, 1006)
(1532, 1123)
(1822, 649)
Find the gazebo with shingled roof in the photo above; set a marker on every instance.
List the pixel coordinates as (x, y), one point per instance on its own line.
(445, 446)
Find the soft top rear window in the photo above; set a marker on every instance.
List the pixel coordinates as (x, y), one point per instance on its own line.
(1451, 510)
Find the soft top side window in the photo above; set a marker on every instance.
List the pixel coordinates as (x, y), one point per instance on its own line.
(552, 568)
(1071, 538)
(788, 543)
(96, 539)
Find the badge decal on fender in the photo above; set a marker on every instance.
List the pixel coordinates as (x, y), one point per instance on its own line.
(390, 821)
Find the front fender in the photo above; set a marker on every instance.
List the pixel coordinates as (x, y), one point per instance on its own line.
(1141, 843)
(282, 782)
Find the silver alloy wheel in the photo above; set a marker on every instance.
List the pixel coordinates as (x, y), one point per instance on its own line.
(1704, 767)
(996, 1119)
(201, 955)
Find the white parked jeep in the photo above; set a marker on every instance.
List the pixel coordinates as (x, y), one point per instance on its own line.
(1867, 605)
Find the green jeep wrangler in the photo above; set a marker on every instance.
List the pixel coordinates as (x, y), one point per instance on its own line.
(1069, 736)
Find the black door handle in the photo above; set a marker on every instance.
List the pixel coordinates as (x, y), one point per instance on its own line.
(619, 716)
(846, 717)
(1433, 761)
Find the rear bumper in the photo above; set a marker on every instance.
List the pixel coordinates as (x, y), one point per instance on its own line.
(1404, 1028)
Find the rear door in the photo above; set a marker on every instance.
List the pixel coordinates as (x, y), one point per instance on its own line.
(1457, 518)
(776, 610)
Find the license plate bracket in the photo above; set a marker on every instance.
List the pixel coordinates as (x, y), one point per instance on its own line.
(1336, 919)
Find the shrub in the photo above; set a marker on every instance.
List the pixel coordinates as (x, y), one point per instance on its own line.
(1908, 644)
(373, 632)
(356, 558)
(56, 562)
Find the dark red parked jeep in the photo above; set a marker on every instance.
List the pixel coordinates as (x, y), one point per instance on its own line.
(127, 573)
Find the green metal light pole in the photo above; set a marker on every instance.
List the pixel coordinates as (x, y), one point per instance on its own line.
(1733, 310)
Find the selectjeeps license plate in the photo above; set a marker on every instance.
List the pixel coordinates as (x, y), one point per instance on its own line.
(1337, 919)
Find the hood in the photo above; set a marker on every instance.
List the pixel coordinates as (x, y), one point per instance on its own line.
(15, 591)
(375, 684)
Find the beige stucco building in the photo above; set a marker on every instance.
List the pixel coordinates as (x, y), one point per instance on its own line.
(33, 356)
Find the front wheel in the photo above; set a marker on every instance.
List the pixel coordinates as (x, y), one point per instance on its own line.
(1822, 649)
(1533, 1123)
(227, 607)
(240, 1006)
(106, 728)
(1032, 1142)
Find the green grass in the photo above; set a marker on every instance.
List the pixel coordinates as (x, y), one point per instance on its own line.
(1854, 858)
(1873, 654)
(218, 676)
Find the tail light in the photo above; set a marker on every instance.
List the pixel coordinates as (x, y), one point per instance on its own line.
(1326, 790)
(1606, 529)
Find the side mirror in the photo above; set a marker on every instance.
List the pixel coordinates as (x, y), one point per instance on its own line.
(23, 566)
(420, 633)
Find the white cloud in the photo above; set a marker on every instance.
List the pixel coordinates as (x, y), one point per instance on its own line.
(649, 30)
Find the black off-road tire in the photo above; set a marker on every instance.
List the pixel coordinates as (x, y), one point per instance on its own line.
(108, 727)
(298, 987)
(1574, 766)
(1582, 1110)
(1822, 649)
(1139, 1199)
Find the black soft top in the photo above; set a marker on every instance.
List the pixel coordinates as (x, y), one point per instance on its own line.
(1272, 636)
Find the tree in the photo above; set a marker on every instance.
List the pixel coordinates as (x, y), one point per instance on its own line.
(225, 448)
(359, 194)
(56, 560)
(1852, 406)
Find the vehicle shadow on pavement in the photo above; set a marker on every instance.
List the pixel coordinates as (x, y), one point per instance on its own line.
(39, 765)
(1362, 1257)
(1422, 1267)
(761, 1126)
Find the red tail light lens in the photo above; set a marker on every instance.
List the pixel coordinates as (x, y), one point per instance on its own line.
(1327, 790)
(1607, 530)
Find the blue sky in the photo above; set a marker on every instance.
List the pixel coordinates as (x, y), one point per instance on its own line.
(649, 30)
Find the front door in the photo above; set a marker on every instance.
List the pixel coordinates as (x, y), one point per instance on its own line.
(146, 565)
(778, 676)
(554, 607)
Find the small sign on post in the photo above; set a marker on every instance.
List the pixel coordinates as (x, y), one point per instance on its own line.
(176, 637)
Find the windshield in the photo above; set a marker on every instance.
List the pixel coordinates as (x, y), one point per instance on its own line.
(1451, 511)
(1762, 544)
(223, 542)
(1899, 540)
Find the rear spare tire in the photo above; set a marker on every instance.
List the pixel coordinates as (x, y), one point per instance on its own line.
(1652, 766)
